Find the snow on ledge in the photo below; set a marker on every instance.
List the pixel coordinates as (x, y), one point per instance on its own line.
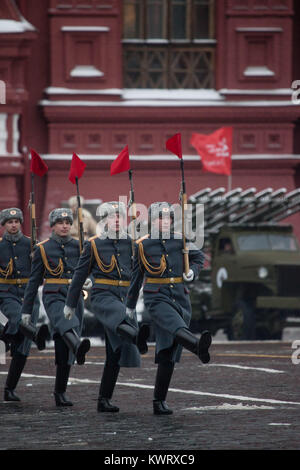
(86, 71)
(77, 91)
(171, 94)
(12, 26)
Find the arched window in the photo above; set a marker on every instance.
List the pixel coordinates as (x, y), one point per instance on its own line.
(168, 43)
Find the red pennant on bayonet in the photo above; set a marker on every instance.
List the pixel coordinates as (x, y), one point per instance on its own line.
(37, 165)
(77, 168)
(121, 163)
(174, 145)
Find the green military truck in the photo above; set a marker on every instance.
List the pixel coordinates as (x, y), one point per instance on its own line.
(251, 285)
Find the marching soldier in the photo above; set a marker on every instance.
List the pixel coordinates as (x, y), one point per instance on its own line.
(15, 266)
(108, 258)
(159, 264)
(54, 262)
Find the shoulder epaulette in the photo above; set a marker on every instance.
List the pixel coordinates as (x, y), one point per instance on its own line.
(142, 238)
(44, 241)
(92, 238)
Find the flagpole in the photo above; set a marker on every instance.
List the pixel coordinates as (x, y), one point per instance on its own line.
(183, 203)
(79, 215)
(32, 215)
(229, 181)
(132, 205)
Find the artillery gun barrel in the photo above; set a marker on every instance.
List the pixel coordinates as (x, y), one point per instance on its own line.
(284, 210)
(220, 203)
(248, 193)
(234, 204)
(260, 199)
(194, 197)
(248, 206)
(263, 209)
(286, 214)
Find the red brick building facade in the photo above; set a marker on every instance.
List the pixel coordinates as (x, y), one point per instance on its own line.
(90, 76)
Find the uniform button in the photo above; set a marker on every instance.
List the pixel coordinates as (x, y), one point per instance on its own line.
(66, 257)
(167, 255)
(118, 254)
(174, 300)
(170, 269)
(62, 246)
(164, 241)
(18, 272)
(69, 272)
(14, 244)
(171, 285)
(16, 257)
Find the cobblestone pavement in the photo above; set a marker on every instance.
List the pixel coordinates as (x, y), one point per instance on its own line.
(248, 397)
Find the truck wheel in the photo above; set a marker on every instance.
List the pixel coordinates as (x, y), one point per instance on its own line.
(242, 325)
(272, 327)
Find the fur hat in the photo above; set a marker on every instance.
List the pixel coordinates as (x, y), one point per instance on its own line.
(60, 214)
(11, 213)
(158, 209)
(107, 208)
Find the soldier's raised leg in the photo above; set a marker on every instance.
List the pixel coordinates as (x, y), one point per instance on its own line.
(77, 346)
(136, 336)
(198, 346)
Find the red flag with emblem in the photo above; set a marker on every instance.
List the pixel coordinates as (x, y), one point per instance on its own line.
(77, 168)
(121, 163)
(215, 150)
(37, 165)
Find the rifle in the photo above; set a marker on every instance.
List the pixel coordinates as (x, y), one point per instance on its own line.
(132, 205)
(183, 203)
(80, 221)
(33, 231)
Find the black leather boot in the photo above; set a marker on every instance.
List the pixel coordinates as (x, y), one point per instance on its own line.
(61, 381)
(198, 346)
(37, 335)
(127, 332)
(62, 371)
(14, 373)
(108, 380)
(77, 346)
(134, 336)
(163, 378)
(105, 406)
(160, 407)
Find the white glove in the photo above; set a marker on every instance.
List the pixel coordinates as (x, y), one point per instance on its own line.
(26, 318)
(88, 284)
(189, 277)
(130, 312)
(69, 312)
